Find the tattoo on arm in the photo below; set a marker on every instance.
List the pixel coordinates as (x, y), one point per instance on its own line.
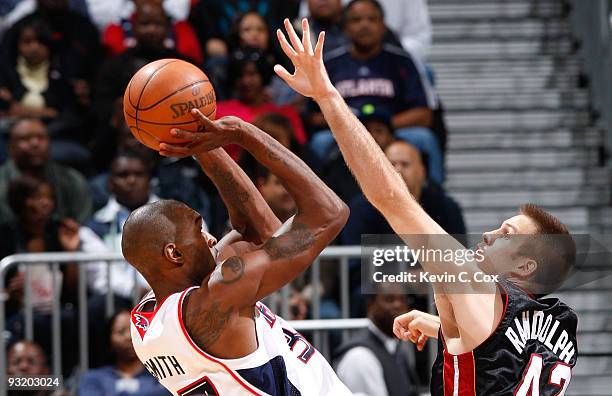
(209, 325)
(298, 239)
(234, 193)
(230, 271)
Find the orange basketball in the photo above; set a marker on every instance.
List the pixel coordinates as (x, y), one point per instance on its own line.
(160, 97)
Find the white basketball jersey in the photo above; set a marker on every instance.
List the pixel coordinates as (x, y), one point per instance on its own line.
(284, 364)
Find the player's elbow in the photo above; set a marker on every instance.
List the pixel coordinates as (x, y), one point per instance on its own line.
(335, 214)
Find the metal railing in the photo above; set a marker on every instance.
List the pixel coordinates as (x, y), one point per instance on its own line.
(278, 302)
(592, 22)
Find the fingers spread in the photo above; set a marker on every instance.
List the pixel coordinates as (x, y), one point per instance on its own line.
(318, 52)
(293, 37)
(286, 47)
(306, 36)
(282, 73)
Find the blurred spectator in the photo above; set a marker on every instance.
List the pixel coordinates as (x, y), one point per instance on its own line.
(250, 30)
(126, 375)
(29, 154)
(30, 84)
(36, 230)
(119, 36)
(385, 76)
(408, 21)
(106, 12)
(213, 19)
(375, 363)
(75, 39)
(248, 75)
(150, 31)
(129, 184)
(365, 219)
(325, 15)
(26, 358)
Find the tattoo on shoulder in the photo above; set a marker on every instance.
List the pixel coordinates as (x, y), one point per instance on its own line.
(206, 328)
(298, 239)
(230, 271)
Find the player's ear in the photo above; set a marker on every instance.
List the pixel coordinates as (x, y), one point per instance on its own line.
(173, 254)
(526, 268)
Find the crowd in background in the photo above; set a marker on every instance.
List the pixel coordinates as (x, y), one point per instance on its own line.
(71, 172)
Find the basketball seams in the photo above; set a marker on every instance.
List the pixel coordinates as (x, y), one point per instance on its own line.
(145, 86)
(172, 94)
(170, 123)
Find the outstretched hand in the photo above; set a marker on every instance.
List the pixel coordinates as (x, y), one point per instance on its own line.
(310, 77)
(212, 134)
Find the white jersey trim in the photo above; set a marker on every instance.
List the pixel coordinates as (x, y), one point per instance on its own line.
(234, 375)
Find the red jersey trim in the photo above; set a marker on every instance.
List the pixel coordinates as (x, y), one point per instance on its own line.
(459, 374)
(204, 354)
(142, 320)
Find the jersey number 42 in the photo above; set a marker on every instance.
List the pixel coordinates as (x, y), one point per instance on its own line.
(559, 377)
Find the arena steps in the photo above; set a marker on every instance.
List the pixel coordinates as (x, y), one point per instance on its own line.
(532, 66)
(484, 48)
(514, 100)
(518, 119)
(494, 10)
(524, 28)
(555, 178)
(521, 159)
(558, 138)
(588, 196)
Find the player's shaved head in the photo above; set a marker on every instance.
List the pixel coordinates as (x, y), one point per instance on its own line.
(147, 230)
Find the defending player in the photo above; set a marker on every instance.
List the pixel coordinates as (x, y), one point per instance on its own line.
(202, 330)
(496, 337)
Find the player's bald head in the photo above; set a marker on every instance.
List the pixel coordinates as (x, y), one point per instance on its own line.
(148, 229)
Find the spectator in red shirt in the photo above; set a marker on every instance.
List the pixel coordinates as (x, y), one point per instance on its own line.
(248, 75)
(180, 36)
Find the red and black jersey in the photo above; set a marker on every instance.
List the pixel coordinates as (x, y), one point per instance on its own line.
(531, 352)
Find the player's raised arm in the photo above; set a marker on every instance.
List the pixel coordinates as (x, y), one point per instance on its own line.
(243, 280)
(384, 187)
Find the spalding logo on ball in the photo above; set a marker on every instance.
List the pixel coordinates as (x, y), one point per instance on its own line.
(160, 97)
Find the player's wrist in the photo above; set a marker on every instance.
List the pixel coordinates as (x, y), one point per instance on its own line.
(327, 95)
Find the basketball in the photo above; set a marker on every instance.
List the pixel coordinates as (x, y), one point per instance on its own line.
(161, 95)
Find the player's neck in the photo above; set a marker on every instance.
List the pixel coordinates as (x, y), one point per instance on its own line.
(364, 53)
(168, 287)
